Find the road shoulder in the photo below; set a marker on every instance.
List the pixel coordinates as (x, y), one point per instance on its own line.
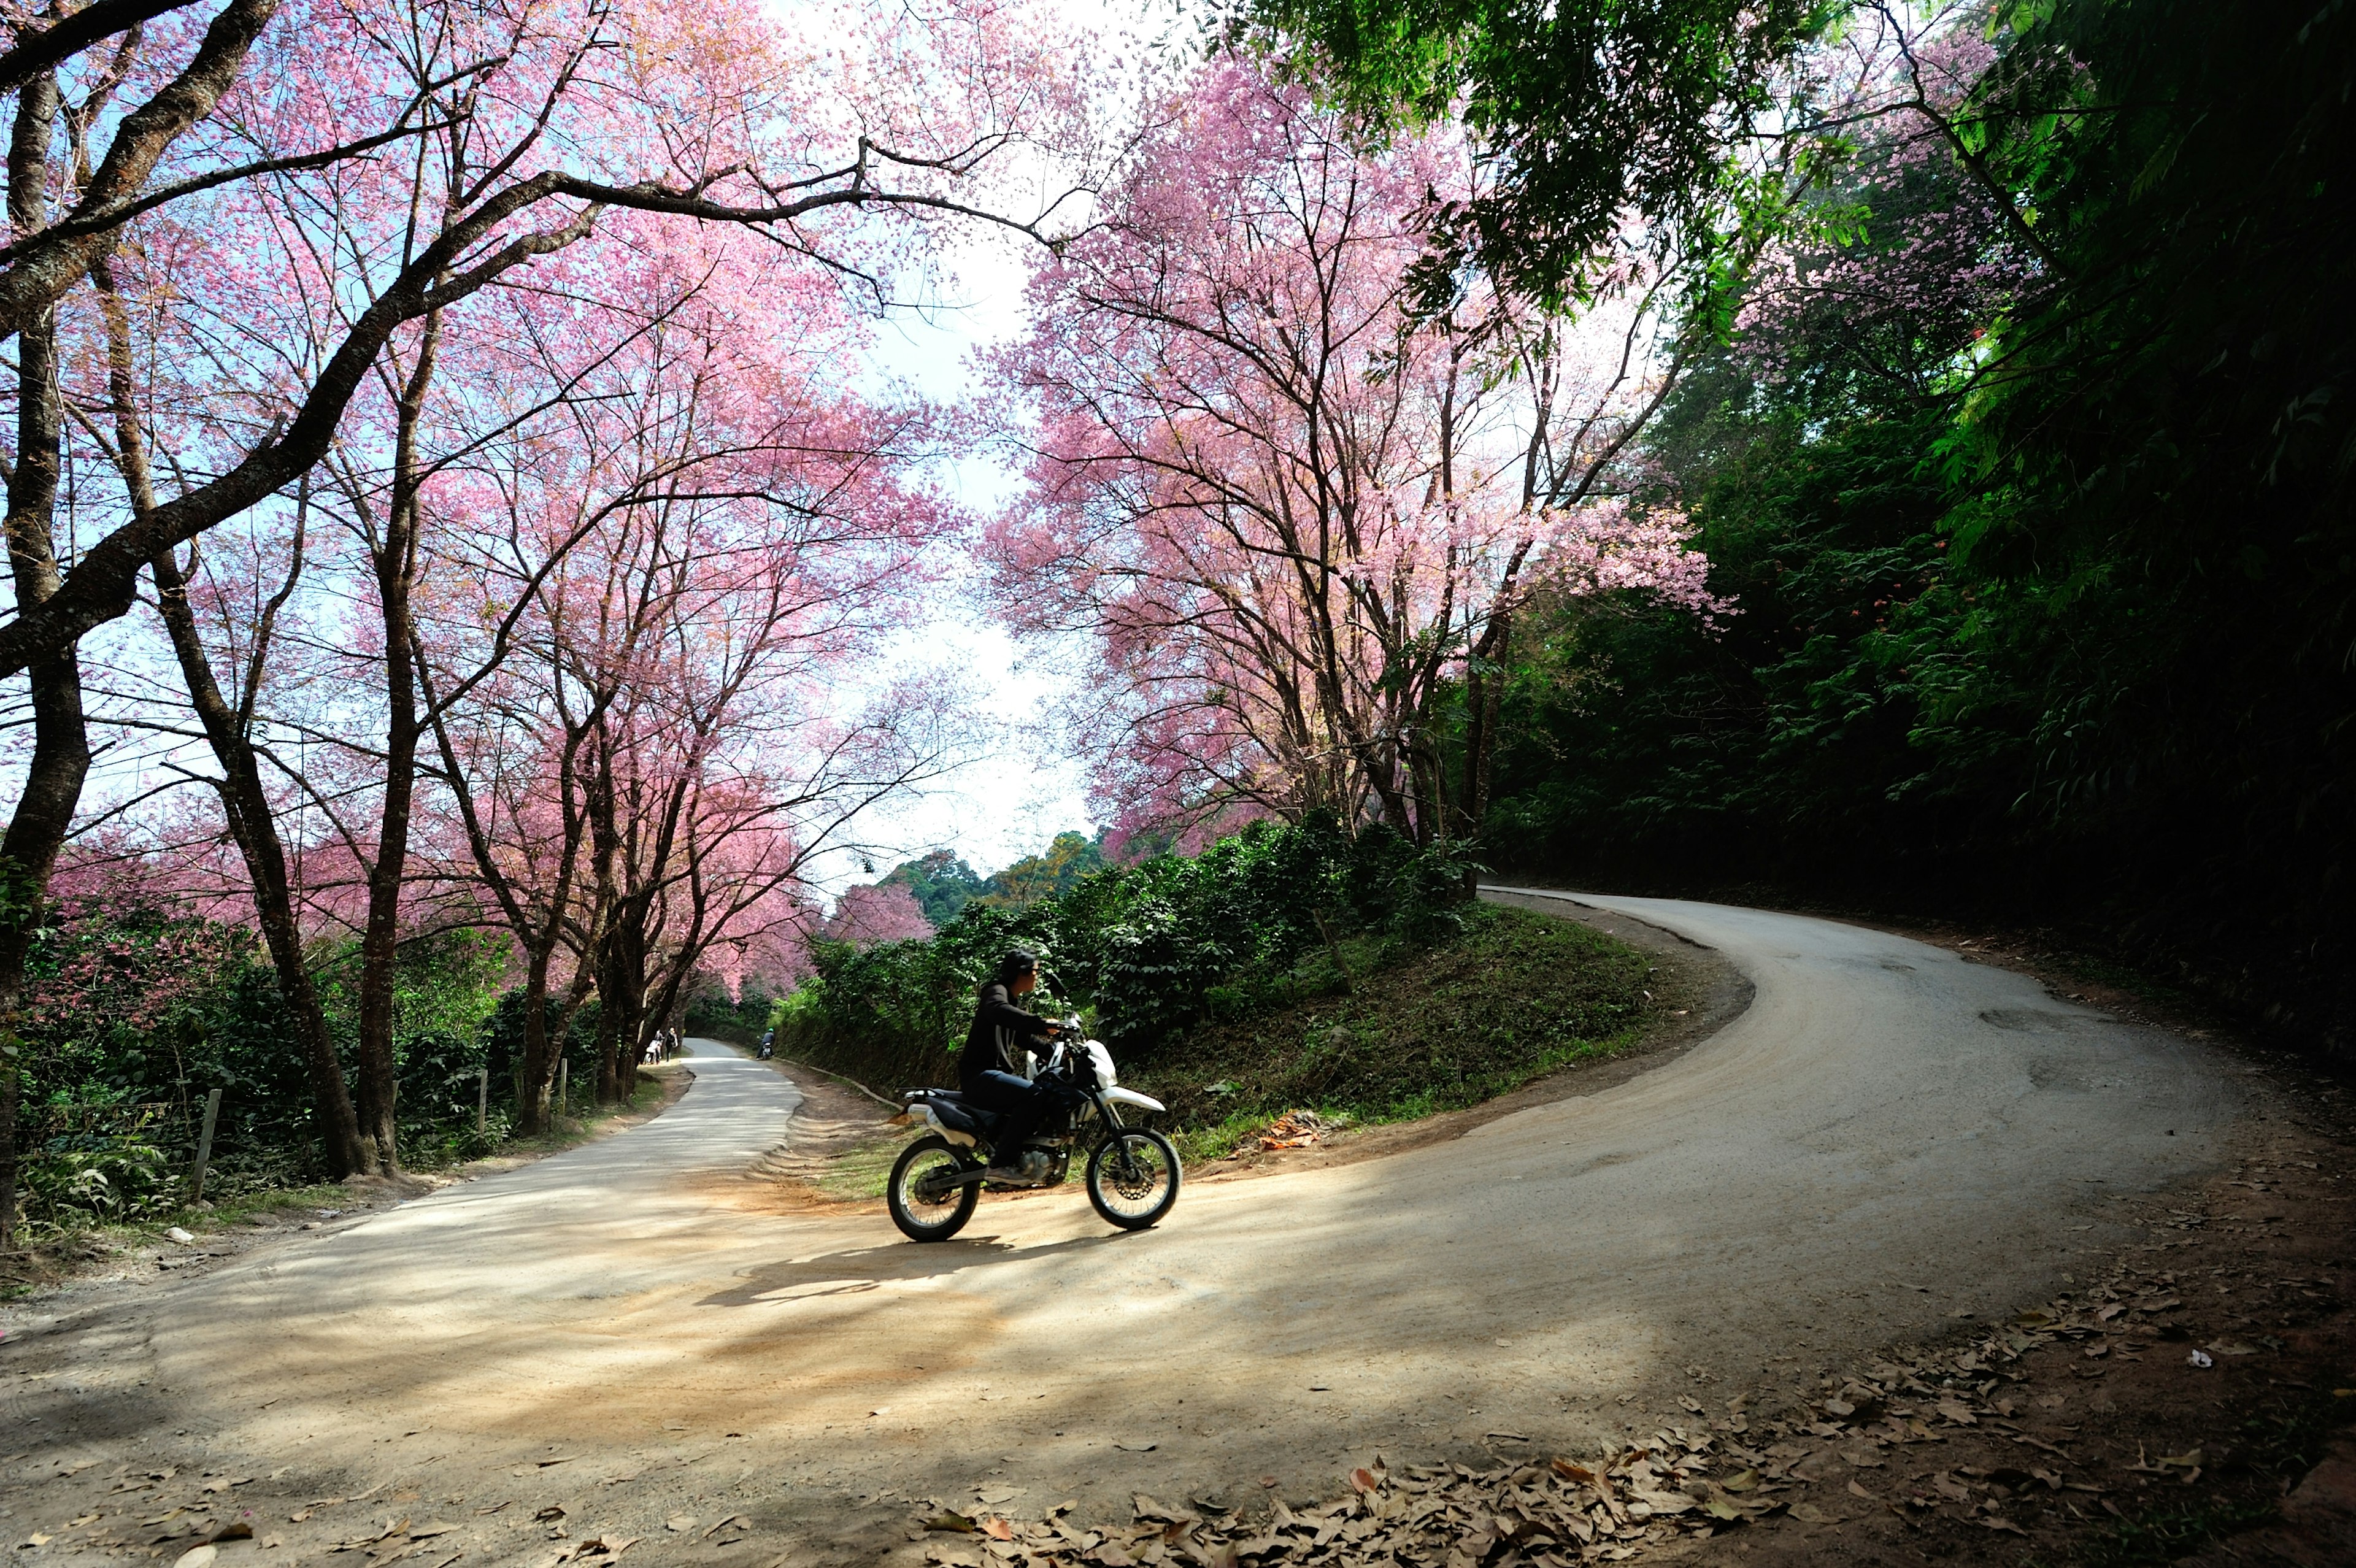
(113, 1268)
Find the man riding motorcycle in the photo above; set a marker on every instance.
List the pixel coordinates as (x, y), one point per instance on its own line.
(987, 1068)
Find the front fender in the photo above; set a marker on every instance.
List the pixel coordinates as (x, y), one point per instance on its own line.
(1131, 1097)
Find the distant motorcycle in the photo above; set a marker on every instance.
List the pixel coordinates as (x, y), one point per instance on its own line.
(1133, 1173)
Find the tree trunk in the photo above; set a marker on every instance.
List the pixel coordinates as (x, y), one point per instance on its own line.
(621, 985)
(531, 1109)
(61, 761)
(244, 804)
(28, 852)
(255, 829)
(1484, 693)
(615, 1078)
(396, 573)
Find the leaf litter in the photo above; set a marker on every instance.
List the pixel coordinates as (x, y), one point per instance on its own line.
(1684, 1483)
(1294, 1129)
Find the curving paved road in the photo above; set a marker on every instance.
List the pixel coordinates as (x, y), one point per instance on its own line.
(1890, 1135)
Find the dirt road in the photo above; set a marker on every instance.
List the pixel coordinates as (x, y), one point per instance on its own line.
(1891, 1139)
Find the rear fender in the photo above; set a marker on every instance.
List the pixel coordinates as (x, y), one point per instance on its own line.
(957, 1135)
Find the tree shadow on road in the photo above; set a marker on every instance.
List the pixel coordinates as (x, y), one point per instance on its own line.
(860, 1269)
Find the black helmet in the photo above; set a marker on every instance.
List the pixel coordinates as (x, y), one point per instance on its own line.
(1015, 965)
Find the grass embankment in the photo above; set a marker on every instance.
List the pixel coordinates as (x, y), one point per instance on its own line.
(1394, 1032)
(1390, 1032)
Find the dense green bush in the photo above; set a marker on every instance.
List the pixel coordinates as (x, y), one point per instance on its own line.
(739, 1020)
(1149, 950)
(139, 1011)
(2045, 613)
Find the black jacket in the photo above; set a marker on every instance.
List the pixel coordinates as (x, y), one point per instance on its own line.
(995, 1044)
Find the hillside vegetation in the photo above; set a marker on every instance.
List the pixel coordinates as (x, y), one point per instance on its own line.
(1287, 967)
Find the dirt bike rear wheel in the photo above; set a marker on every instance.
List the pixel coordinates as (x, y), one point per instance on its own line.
(923, 1211)
(1133, 1177)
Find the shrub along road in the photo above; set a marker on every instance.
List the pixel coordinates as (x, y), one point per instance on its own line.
(638, 1334)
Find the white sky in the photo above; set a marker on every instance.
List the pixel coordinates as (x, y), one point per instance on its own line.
(1016, 796)
(1020, 791)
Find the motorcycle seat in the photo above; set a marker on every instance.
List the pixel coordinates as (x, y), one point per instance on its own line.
(954, 1109)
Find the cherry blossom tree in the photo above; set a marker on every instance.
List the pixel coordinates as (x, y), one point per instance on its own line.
(1908, 247)
(886, 911)
(693, 545)
(712, 113)
(1288, 496)
(394, 161)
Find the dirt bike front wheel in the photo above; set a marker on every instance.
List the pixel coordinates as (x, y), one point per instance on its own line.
(1133, 1177)
(924, 1205)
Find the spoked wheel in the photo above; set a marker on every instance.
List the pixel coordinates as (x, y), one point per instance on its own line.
(1133, 1177)
(924, 1204)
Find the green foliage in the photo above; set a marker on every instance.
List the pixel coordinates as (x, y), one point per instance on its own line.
(148, 1006)
(1594, 107)
(1150, 949)
(711, 1012)
(2061, 628)
(941, 883)
(102, 1165)
(445, 991)
(500, 1043)
(1051, 875)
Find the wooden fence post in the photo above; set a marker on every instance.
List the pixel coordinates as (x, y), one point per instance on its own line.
(204, 1147)
(483, 1100)
(564, 1088)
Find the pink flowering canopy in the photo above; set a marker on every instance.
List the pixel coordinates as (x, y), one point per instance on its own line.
(1283, 502)
(585, 289)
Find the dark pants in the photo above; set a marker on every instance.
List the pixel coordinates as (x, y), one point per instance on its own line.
(1019, 1106)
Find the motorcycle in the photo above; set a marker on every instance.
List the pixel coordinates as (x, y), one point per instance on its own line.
(1132, 1173)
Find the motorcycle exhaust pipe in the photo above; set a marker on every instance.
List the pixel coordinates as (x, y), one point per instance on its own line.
(962, 1178)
